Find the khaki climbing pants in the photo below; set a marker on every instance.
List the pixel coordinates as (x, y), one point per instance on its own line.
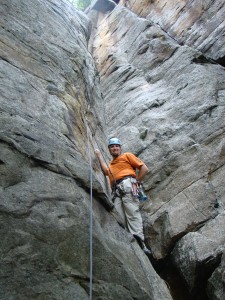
(128, 209)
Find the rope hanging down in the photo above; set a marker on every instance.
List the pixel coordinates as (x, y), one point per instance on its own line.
(91, 219)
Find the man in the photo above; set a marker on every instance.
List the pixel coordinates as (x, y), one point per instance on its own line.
(124, 182)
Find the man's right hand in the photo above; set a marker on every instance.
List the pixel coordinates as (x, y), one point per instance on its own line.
(103, 165)
(98, 153)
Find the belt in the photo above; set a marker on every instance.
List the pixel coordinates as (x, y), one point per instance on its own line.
(120, 180)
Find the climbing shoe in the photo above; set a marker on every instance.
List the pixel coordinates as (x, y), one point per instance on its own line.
(146, 250)
(142, 245)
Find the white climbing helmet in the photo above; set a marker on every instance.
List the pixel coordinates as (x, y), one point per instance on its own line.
(114, 141)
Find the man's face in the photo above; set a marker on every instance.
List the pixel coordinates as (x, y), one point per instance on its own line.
(115, 150)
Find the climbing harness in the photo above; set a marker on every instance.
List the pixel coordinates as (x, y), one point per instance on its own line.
(129, 185)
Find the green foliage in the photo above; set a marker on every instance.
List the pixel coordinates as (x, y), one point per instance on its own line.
(80, 4)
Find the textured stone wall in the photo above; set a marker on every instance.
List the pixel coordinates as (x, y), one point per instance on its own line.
(165, 101)
(199, 24)
(51, 119)
(146, 72)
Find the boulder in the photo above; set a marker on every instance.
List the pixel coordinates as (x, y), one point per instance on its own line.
(197, 254)
(216, 283)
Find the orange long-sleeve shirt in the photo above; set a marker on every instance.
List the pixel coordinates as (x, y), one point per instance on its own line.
(122, 166)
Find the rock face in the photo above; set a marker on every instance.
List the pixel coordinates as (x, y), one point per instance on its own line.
(165, 99)
(51, 118)
(198, 24)
(68, 82)
(216, 284)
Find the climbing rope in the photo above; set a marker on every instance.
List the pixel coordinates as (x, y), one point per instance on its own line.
(91, 219)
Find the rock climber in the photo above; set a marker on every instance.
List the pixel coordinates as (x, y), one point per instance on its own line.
(124, 182)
